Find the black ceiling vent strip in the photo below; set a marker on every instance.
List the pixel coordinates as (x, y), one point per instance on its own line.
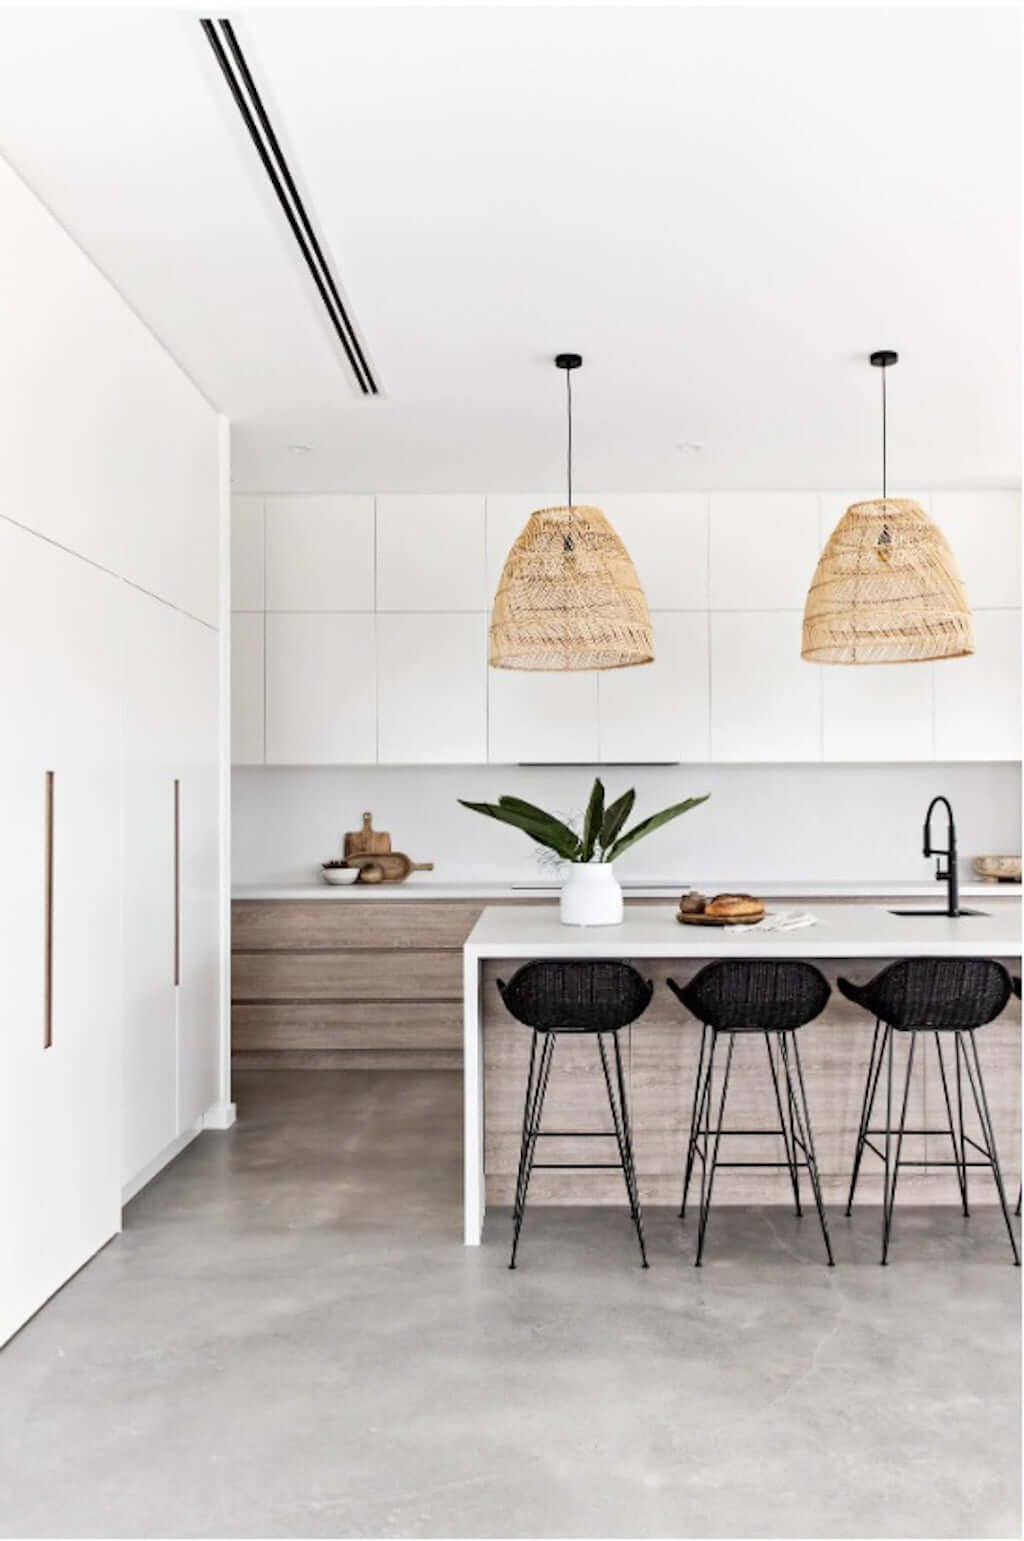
(221, 37)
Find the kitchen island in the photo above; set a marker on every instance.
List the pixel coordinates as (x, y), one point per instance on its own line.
(661, 1049)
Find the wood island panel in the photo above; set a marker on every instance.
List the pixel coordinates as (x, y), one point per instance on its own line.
(661, 1052)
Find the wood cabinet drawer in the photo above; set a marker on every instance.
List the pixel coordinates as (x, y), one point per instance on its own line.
(346, 1025)
(350, 975)
(258, 924)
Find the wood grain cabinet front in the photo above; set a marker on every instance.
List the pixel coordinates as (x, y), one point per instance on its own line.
(321, 985)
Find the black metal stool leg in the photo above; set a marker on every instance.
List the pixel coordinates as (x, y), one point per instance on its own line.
(807, 1138)
(867, 1107)
(532, 1115)
(985, 1117)
(691, 1143)
(710, 1171)
(890, 1198)
(624, 1137)
(784, 1130)
(1020, 1195)
(959, 1154)
(958, 1050)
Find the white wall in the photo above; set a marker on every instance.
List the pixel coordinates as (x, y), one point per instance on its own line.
(763, 822)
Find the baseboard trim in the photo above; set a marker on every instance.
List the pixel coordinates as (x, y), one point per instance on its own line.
(221, 1116)
(146, 1174)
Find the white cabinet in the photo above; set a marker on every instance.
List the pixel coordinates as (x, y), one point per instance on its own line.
(666, 534)
(763, 549)
(432, 689)
(977, 699)
(247, 688)
(765, 700)
(983, 529)
(430, 553)
(542, 718)
(59, 1085)
(152, 734)
(321, 690)
(320, 552)
(247, 539)
(659, 712)
(877, 712)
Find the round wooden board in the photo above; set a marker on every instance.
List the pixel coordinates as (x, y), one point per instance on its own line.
(719, 920)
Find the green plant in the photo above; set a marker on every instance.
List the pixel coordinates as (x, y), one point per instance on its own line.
(601, 838)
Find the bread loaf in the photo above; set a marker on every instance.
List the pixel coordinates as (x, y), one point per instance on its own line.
(732, 906)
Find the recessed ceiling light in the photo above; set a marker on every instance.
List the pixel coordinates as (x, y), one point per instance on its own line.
(690, 446)
(301, 449)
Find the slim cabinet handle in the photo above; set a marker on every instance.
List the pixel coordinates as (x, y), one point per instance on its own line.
(48, 913)
(177, 882)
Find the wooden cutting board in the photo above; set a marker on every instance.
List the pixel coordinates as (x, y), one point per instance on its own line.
(394, 865)
(367, 841)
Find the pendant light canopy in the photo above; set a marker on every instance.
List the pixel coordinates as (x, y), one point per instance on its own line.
(569, 596)
(887, 588)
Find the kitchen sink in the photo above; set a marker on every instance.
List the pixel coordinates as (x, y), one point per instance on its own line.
(940, 914)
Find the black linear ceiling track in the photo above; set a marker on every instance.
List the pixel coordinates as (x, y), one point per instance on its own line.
(222, 39)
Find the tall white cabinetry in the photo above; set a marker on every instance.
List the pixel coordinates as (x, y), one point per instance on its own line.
(60, 965)
(111, 913)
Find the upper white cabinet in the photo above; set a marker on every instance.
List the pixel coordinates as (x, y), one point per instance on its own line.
(666, 534)
(247, 534)
(765, 701)
(983, 529)
(430, 553)
(376, 613)
(977, 699)
(247, 688)
(320, 553)
(877, 713)
(432, 689)
(321, 681)
(541, 718)
(660, 711)
(764, 549)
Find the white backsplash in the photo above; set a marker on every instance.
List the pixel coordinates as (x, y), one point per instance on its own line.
(847, 823)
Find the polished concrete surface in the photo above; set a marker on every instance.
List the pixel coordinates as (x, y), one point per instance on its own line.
(290, 1340)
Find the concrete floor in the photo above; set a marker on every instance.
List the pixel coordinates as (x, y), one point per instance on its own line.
(290, 1340)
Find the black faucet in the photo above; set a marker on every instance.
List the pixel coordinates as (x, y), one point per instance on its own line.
(951, 874)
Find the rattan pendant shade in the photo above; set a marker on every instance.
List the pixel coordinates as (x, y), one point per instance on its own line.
(569, 597)
(886, 590)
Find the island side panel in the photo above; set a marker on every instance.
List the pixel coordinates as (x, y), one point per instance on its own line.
(661, 1058)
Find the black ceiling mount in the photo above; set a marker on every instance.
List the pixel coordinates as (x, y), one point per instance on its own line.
(884, 357)
(568, 360)
(226, 50)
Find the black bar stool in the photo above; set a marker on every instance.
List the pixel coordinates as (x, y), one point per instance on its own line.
(575, 997)
(930, 995)
(742, 997)
(1015, 981)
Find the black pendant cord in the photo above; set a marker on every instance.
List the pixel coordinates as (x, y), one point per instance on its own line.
(568, 402)
(885, 442)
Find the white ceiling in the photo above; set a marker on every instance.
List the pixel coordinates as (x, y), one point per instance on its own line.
(723, 209)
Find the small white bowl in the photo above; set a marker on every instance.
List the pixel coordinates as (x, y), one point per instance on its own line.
(340, 877)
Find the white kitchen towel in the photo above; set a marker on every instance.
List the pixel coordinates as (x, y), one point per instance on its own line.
(780, 920)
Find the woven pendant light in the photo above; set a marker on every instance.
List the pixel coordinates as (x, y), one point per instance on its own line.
(887, 588)
(569, 596)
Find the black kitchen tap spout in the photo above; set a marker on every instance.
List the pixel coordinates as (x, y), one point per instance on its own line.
(951, 875)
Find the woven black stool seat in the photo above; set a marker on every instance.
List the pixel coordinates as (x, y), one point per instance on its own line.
(939, 996)
(738, 997)
(577, 997)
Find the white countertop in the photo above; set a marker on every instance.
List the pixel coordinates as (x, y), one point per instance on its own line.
(841, 931)
(422, 886)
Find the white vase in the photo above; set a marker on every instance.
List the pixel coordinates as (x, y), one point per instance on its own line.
(591, 895)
